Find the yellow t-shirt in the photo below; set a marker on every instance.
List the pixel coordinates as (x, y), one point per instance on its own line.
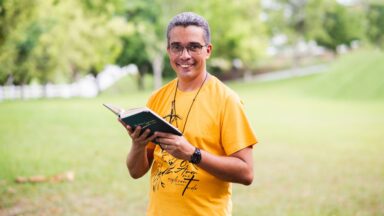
(217, 124)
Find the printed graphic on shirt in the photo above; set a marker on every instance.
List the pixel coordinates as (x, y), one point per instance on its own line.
(174, 172)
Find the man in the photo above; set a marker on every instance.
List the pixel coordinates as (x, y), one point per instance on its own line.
(192, 174)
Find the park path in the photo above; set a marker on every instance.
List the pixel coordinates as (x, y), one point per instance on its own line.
(289, 73)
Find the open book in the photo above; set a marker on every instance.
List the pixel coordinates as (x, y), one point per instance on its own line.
(145, 118)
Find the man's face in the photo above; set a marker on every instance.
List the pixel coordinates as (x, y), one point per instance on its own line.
(188, 52)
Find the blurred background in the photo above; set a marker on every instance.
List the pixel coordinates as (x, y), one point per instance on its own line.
(310, 72)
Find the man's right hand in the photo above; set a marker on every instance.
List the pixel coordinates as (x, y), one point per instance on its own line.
(139, 140)
(139, 158)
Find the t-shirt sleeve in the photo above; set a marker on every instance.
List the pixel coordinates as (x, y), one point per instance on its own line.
(236, 131)
(150, 101)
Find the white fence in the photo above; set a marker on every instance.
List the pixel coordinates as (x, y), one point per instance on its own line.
(85, 87)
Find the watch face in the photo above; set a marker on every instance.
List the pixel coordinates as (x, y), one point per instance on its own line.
(196, 157)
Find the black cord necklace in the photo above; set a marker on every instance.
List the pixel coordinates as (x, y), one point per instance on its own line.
(173, 109)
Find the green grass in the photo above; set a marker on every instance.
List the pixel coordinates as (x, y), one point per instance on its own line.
(316, 155)
(358, 75)
(48, 137)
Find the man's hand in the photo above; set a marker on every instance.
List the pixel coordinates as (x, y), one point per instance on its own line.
(139, 140)
(237, 167)
(175, 145)
(139, 158)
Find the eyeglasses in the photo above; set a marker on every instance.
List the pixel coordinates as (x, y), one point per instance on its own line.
(192, 48)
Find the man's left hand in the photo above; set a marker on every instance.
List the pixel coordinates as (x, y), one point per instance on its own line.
(175, 145)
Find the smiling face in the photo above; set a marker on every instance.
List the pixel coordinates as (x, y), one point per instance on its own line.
(188, 64)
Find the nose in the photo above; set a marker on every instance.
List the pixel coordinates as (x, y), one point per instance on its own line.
(185, 54)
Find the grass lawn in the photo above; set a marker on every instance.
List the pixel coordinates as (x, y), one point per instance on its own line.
(316, 156)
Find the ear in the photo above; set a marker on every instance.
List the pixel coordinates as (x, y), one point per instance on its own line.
(209, 50)
(168, 51)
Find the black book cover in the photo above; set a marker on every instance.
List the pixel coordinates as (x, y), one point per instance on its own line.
(145, 118)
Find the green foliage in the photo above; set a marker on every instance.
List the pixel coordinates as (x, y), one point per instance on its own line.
(104, 8)
(375, 30)
(295, 19)
(64, 43)
(315, 12)
(90, 43)
(25, 47)
(325, 21)
(76, 38)
(236, 29)
(148, 36)
(342, 26)
(16, 20)
(60, 41)
(354, 76)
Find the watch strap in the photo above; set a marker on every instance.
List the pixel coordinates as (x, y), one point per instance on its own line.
(196, 156)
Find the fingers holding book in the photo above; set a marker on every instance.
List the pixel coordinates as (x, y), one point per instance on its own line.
(127, 127)
(138, 136)
(177, 146)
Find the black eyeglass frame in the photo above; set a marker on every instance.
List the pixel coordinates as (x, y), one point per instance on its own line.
(193, 48)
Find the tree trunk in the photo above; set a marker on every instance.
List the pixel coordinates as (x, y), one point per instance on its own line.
(157, 66)
(247, 75)
(45, 90)
(94, 73)
(97, 84)
(296, 58)
(140, 81)
(75, 73)
(22, 91)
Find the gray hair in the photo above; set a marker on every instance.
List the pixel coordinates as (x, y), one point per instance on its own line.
(187, 19)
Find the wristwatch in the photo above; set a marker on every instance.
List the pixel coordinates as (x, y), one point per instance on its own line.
(196, 156)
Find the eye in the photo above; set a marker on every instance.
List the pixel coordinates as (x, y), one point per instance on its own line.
(176, 47)
(194, 47)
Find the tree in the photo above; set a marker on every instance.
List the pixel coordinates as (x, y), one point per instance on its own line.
(375, 27)
(107, 30)
(132, 51)
(147, 45)
(16, 19)
(77, 42)
(77, 38)
(237, 32)
(342, 26)
(293, 19)
(65, 43)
